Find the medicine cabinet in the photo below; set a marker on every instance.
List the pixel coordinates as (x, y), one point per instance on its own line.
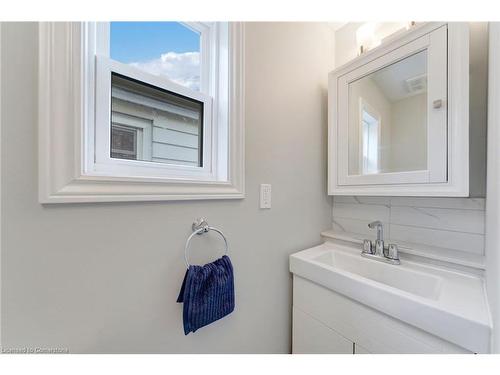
(399, 118)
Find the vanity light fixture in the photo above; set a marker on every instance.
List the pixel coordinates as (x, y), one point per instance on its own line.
(372, 34)
(410, 24)
(366, 38)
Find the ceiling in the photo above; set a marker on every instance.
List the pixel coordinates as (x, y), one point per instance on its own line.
(392, 80)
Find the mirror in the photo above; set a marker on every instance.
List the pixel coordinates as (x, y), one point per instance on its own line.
(398, 116)
(387, 127)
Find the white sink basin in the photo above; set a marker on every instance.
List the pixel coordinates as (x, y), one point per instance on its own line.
(408, 280)
(449, 304)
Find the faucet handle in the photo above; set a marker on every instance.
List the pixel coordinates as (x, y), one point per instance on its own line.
(379, 248)
(392, 251)
(367, 247)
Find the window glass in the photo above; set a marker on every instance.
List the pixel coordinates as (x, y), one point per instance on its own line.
(370, 142)
(123, 142)
(169, 49)
(152, 124)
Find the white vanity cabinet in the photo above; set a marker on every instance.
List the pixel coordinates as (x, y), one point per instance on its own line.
(346, 303)
(326, 322)
(310, 336)
(398, 116)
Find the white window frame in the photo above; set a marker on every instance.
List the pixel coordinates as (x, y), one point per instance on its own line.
(103, 163)
(364, 106)
(73, 61)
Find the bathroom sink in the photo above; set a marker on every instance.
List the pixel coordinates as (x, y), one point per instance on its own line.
(446, 303)
(411, 281)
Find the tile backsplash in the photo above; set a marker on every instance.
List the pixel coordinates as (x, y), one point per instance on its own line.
(450, 229)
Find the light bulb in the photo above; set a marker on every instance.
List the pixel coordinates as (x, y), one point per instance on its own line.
(366, 37)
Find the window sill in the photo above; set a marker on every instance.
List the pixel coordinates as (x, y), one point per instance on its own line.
(96, 189)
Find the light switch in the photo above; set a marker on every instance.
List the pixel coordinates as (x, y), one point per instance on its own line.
(265, 195)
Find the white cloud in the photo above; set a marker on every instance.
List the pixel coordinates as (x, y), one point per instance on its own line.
(182, 68)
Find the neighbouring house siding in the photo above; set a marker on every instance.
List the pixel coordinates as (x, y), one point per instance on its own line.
(166, 137)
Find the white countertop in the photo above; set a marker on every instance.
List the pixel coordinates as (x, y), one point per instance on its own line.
(456, 311)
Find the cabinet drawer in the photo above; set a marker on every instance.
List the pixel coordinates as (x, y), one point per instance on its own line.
(310, 336)
(373, 330)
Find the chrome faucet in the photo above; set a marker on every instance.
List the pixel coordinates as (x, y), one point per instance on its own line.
(381, 253)
(379, 243)
(380, 229)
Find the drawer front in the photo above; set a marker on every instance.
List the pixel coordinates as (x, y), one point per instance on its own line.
(310, 336)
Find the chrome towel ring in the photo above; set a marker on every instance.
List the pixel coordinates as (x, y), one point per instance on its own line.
(199, 227)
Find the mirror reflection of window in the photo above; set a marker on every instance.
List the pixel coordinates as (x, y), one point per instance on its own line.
(370, 127)
(388, 118)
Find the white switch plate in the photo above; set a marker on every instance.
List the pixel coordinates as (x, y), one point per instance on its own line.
(265, 195)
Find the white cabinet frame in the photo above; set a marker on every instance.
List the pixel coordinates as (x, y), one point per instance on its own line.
(66, 74)
(447, 173)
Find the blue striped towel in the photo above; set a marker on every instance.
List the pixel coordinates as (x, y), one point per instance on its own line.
(207, 293)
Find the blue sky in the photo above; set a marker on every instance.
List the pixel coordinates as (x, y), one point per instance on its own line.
(142, 41)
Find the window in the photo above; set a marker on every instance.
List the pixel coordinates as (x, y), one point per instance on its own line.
(160, 78)
(157, 109)
(170, 50)
(174, 123)
(124, 142)
(370, 130)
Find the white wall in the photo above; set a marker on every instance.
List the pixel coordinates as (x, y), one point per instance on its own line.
(478, 107)
(409, 134)
(493, 191)
(105, 277)
(0, 185)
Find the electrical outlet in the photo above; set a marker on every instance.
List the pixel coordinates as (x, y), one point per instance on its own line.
(265, 195)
